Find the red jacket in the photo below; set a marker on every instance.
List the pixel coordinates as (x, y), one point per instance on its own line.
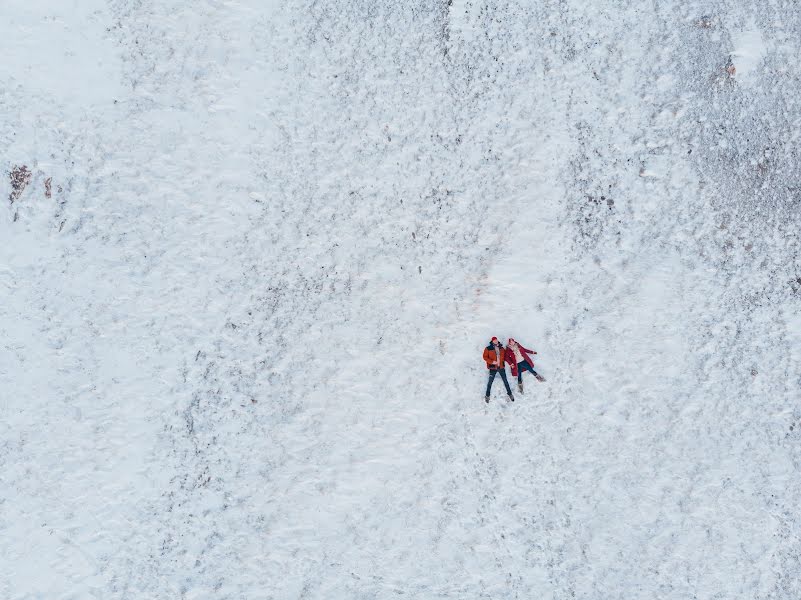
(512, 359)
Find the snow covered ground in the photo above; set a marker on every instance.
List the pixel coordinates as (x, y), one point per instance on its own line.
(252, 250)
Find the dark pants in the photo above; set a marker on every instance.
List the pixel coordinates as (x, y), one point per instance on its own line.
(523, 366)
(502, 373)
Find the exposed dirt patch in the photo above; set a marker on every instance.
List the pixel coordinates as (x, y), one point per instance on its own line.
(20, 177)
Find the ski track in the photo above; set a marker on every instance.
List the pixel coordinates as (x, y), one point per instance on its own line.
(263, 244)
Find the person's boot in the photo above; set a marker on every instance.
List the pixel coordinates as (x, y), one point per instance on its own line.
(520, 386)
(486, 399)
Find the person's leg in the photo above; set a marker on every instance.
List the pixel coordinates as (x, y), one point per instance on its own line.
(524, 366)
(491, 379)
(530, 368)
(505, 381)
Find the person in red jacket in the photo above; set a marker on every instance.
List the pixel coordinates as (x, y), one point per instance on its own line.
(495, 357)
(518, 357)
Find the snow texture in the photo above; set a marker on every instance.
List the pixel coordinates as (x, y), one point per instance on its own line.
(252, 251)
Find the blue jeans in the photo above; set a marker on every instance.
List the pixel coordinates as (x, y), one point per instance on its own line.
(524, 366)
(502, 373)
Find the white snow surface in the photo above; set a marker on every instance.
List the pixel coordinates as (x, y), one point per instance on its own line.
(241, 334)
(748, 52)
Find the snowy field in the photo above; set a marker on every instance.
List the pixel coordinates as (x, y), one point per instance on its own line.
(252, 251)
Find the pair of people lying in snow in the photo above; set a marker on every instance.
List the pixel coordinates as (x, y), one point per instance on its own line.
(496, 356)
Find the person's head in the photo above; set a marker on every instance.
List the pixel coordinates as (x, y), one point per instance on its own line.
(511, 342)
(495, 341)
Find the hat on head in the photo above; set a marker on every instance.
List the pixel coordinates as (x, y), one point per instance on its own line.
(494, 339)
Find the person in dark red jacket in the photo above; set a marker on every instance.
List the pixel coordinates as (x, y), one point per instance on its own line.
(495, 357)
(519, 358)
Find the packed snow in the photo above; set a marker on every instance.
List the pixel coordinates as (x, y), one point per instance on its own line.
(252, 253)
